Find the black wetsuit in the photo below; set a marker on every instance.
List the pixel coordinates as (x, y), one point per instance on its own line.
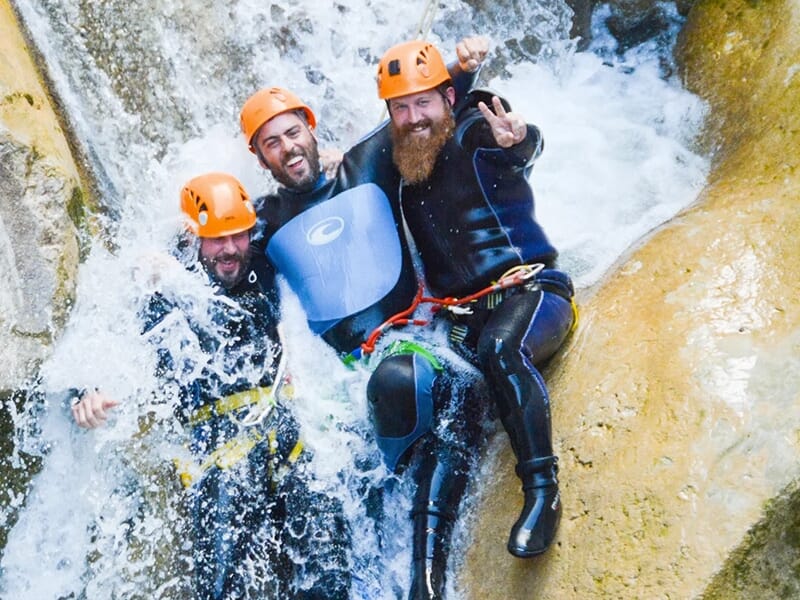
(427, 411)
(472, 220)
(247, 508)
(405, 383)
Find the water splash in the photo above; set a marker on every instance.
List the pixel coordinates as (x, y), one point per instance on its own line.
(153, 90)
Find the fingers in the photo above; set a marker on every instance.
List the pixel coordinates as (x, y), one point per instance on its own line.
(330, 158)
(487, 114)
(508, 128)
(92, 410)
(471, 51)
(499, 110)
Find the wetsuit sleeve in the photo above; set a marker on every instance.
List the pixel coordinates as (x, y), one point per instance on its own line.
(463, 81)
(155, 310)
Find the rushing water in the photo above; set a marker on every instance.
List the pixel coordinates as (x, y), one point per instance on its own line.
(153, 90)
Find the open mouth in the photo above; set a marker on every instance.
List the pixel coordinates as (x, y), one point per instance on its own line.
(295, 162)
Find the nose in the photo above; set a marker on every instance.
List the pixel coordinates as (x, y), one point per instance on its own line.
(414, 115)
(288, 145)
(228, 245)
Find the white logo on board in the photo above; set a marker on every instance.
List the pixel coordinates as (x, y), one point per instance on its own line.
(325, 231)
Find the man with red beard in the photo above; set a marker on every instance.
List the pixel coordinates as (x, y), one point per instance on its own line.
(339, 242)
(469, 207)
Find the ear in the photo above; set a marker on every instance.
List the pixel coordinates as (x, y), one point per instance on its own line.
(450, 93)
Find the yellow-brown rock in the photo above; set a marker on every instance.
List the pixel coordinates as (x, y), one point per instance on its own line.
(41, 197)
(675, 404)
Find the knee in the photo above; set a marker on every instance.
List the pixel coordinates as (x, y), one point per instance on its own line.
(394, 376)
(400, 403)
(495, 349)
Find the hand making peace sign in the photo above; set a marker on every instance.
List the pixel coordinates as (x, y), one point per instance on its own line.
(508, 128)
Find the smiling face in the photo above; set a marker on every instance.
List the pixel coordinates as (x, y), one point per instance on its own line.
(421, 125)
(415, 114)
(286, 146)
(226, 258)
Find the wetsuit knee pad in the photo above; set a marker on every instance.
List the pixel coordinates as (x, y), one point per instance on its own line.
(500, 340)
(553, 280)
(400, 393)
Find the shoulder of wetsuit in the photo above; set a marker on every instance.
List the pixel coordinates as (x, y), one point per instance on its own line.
(265, 279)
(155, 308)
(471, 100)
(369, 160)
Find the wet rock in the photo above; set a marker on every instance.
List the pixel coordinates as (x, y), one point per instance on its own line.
(41, 207)
(674, 404)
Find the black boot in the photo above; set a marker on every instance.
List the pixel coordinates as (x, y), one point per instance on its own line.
(523, 406)
(441, 474)
(536, 526)
(431, 539)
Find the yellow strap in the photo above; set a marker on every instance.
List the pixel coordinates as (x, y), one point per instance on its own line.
(230, 403)
(296, 451)
(574, 315)
(224, 457)
(234, 452)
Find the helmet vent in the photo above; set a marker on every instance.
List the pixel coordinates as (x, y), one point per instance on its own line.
(394, 67)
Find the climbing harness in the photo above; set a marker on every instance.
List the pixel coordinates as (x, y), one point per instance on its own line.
(518, 275)
(262, 401)
(231, 452)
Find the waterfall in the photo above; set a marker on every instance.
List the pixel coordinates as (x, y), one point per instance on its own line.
(152, 90)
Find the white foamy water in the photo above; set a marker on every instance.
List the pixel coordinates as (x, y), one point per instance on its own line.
(618, 161)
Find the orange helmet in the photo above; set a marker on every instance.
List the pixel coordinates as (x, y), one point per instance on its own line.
(216, 205)
(409, 68)
(267, 103)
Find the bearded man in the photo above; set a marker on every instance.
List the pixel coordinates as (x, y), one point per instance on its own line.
(469, 207)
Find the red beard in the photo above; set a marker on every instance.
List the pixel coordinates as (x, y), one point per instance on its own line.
(415, 157)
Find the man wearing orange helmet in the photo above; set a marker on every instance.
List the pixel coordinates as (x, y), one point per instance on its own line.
(339, 241)
(467, 202)
(247, 477)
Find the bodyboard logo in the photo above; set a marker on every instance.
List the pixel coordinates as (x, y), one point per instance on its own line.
(325, 231)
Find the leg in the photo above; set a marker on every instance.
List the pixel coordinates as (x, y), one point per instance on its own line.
(441, 473)
(224, 519)
(316, 538)
(410, 395)
(442, 464)
(523, 330)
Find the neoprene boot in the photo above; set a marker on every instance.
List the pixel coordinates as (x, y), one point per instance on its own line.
(536, 526)
(431, 539)
(441, 476)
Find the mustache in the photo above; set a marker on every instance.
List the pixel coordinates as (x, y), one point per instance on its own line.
(292, 153)
(407, 128)
(240, 256)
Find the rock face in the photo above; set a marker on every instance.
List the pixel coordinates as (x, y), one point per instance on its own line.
(41, 200)
(675, 402)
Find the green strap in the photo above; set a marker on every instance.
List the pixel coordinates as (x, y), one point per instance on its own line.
(409, 347)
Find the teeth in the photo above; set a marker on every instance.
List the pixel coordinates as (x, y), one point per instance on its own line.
(293, 161)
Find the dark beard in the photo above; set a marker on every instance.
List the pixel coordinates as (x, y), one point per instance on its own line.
(414, 157)
(225, 280)
(307, 183)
